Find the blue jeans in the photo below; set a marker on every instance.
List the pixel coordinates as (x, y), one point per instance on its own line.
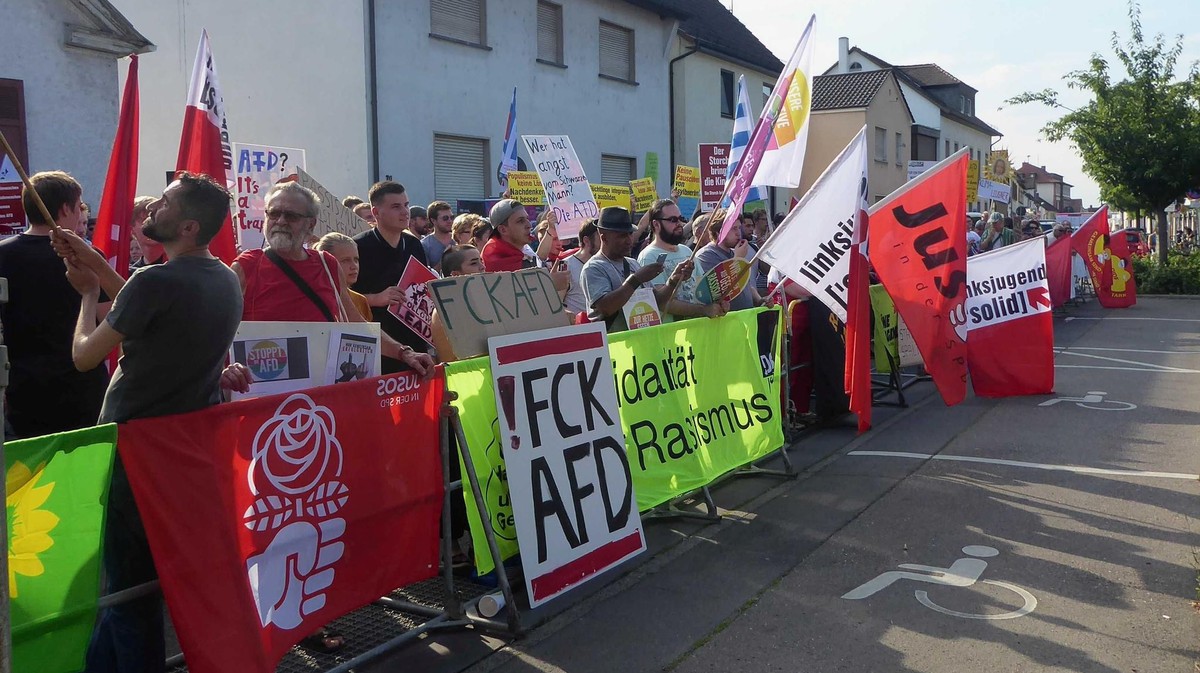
(128, 637)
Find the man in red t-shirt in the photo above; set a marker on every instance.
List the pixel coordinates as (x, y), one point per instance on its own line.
(288, 282)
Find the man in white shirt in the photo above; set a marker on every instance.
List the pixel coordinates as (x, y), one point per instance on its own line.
(666, 225)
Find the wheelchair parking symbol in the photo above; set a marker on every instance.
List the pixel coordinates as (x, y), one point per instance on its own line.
(1093, 400)
(964, 572)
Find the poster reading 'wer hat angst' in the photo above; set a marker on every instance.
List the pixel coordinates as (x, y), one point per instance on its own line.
(567, 190)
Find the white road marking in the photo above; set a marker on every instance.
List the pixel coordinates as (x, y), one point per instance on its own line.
(1152, 366)
(1127, 369)
(1160, 319)
(1037, 466)
(1061, 349)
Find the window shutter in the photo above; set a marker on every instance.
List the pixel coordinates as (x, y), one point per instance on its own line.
(458, 19)
(616, 170)
(616, 51)
(459, 168)
(549, 39)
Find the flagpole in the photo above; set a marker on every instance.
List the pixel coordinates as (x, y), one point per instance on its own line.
(37, 199)
(5, 618)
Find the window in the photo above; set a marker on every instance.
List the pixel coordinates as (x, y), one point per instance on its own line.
(616, 170)
(853, 67)
(947, 154)
(880, 144)
(460, 167)
(899, 148)
(955, 147)
(461, 20)
(549, 33)
(616, 52)
(767, 89)
(12, 117)
(727, 95)
(962, 104)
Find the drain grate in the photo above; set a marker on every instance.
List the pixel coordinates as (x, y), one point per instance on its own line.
(373, 625)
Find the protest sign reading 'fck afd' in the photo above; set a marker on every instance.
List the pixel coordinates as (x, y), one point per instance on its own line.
(567, 190)
(564, 449)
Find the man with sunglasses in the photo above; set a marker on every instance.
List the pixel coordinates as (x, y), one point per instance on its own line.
(441, 216)
(666, 226)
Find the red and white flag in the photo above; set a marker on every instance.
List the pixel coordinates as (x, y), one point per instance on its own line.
(204, 147)
(114, 221)
(918, 243)
(815, 246)
(269, 517)
(1011, 342)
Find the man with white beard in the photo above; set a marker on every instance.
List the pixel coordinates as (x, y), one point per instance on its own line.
(288, 282)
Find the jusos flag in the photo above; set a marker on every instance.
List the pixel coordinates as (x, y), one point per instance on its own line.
(204, 147)
(1111, 276)
(918, 244)
(272, 516)
(1011, 343)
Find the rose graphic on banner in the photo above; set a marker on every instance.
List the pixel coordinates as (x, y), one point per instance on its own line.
(295, 453)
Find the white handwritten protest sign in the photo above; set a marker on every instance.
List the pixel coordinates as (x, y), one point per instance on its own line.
(482, 305)
(258, 168)
(567, 190)
(564, 451)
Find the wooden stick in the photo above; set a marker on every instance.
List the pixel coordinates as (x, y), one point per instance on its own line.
(28, 185)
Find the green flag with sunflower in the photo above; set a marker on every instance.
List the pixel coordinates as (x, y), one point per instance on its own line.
(56, 488)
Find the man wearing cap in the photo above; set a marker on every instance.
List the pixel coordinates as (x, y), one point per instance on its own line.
(999, 235)
(418, 221)
(611, 277)
(508, 249)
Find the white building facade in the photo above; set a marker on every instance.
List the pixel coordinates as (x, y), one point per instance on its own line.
(58, 84)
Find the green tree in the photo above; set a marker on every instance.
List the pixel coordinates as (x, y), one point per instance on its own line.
(1137, 136)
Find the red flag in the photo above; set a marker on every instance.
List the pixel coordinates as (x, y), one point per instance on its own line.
(114, 221)
(204, 147)
(1011, 342)
(1058, 270)
(272, 516)
(858, 323)
(1111, 276)
(918, 245)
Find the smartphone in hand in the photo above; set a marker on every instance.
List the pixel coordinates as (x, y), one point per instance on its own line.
(662, 259)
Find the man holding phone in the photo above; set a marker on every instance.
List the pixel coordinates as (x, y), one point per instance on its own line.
(667, 249)
(611, 277)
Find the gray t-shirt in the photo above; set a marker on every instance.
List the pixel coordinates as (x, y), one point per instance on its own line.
(600, 276)
(434, 249)
(574, 299)
(712, 255)
(178, 320)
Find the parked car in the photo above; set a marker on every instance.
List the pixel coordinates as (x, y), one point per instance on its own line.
(1131, 240)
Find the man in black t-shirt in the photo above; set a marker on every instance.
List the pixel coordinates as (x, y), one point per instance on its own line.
(383, 253)
(46, 394)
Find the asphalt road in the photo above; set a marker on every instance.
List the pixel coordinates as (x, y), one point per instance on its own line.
(1072, 530)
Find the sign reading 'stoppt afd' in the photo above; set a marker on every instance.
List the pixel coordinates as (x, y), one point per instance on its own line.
(571, 488)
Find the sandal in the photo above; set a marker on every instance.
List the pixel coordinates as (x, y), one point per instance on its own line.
(324, 641)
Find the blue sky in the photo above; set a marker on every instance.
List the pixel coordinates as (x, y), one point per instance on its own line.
(1000, 48)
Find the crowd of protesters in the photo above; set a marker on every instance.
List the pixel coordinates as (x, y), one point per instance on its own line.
(174, 314)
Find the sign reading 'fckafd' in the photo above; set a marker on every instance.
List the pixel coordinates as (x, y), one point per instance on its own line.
(564, 450)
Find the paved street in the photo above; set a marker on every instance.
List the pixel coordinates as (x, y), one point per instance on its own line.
(1078, 523)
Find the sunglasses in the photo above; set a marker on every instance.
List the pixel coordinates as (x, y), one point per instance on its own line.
(288, 216)
(672, 220)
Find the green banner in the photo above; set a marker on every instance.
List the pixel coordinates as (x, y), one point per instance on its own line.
(698, 398)
(56, 488)
(887, 344)
(652, 166)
